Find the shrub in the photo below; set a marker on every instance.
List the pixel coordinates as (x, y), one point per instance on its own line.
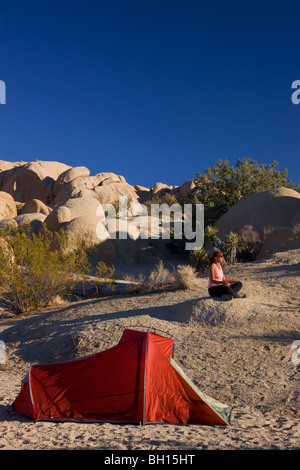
(161, 278)
(186, 277)
(36, 269)
(249, 243)
(210, 233)
(199, 259)
(230, 247)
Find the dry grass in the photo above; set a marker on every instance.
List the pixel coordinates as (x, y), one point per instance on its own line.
(161, 278)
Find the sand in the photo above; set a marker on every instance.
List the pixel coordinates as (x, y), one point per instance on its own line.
(239, 352)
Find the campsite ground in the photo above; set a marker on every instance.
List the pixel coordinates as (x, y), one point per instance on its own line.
(238, 352)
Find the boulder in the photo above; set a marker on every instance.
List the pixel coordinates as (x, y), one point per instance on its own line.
(73, 187)
(73, 184)
(35, 206)
(110, 177)
(280, 239)
(212, 312)
(295, 222)
(69, 175)
(110, 193)
(8, 223)
(116, 251)
(186, 188)
(32, 221)
(275, 208)
(160, 187)
(34, 180)
(79, 218)
(8, 208)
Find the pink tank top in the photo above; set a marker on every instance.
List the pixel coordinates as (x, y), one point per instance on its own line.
(218, 276)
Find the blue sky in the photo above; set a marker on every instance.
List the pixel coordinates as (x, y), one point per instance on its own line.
(151, 90)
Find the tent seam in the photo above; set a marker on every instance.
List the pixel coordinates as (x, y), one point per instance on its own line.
(145, 367)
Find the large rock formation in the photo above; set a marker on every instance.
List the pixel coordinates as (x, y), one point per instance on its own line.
(273, 208)
(79, 218)
(34, 180)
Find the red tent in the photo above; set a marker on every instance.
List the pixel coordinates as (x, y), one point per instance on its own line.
(135, 381)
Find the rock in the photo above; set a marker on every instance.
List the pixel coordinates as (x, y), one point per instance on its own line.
(78, 217)
(108, 194)
(8, 208)
(139, 188)
(276, 208)
(78, 183)
(280, 239)
(72, 188)
(116, 251)
(295, 222)
(33, 221)
(35, 206)
(5, 166)
(34, 180)
(69, 175)
(7, 250)
(111, 177)
(8, 223)
(211, 312)
(186, 188)
(85, 193)
(159, 187)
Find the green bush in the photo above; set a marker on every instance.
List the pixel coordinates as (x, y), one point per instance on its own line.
(35, 269)
(223, 185)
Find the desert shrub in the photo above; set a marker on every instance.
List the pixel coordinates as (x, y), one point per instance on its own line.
(105, 273)
(36, 269)
(249, 243)
(186, 277)
(230, 247)
(199, 259)
(210, 233)
(161, 278)
(136, 284)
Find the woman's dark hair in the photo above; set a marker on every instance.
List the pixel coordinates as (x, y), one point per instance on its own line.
(215, 255)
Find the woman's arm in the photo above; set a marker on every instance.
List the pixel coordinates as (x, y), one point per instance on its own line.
(227, 281)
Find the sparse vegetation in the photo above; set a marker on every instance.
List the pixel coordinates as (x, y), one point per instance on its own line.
(230, 247)
(161, 278)
(249, 243)
(36, 269)
(210, 233)
(199, 259)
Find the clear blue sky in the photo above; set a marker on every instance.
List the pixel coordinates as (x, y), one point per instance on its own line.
(152, 90)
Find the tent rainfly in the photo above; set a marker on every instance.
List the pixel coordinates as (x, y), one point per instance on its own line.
(136, 381)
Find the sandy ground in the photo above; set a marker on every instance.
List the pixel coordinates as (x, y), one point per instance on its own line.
(239, 352)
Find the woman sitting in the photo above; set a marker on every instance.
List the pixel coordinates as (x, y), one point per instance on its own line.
(218, 284)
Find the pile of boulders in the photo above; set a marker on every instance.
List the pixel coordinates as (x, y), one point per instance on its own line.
(59, 196)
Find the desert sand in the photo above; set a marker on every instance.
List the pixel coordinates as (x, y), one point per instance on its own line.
(239, 352)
